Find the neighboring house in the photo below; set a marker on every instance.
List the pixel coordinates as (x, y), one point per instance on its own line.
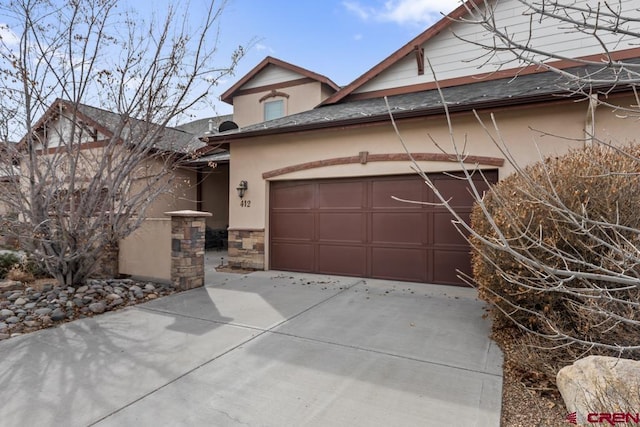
(96, 126)
(320, 182)
(91, 129)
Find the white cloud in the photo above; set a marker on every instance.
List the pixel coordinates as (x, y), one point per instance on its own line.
(261, 47)
(357, 37)
(7, 36)
(417, 12)
(357, 9)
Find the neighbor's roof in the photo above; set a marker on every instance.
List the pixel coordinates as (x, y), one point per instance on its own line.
(228, 95)
(531, 88)
(201, 126)
(107, 122)
(172, 139)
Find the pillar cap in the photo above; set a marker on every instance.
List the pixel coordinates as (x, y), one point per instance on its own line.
(189, 213)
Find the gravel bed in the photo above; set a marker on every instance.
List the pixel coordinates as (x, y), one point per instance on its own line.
(26, 308)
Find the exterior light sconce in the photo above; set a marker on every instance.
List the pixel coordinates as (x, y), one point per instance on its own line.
(242, 187)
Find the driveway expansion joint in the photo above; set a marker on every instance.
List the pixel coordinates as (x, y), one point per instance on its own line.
(261, 333)
(384, 353)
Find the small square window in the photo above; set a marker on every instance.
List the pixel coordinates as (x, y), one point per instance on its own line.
(273, 110)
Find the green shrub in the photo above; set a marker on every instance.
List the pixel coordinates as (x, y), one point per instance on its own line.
(577, 212)
(7, 261)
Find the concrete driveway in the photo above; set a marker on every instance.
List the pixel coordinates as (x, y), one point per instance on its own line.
(265, 349)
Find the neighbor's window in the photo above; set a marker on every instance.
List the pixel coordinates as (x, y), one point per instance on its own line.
(273, 109)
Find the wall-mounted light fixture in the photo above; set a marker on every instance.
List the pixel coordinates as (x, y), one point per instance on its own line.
(242, 187)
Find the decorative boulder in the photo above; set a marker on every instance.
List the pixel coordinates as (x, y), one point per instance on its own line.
(600, 384)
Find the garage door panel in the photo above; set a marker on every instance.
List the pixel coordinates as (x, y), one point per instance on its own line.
(454, 191)
(292, 257)
(342, 260)
(342, 227)
(294, 196)
(383, 192)
(342, 195)
(399, 263)
(446, 262)
(445, 232)
(291, 225)
(398, 228)
(352, 226)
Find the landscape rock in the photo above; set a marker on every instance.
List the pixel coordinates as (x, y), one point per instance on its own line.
(600, 384)
(11, 285)
(4, 336)
(43, 311)
(97, 307)
(58, 314)
(36, 307)
(5, 314)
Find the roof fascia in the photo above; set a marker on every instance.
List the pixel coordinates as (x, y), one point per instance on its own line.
(227, 96)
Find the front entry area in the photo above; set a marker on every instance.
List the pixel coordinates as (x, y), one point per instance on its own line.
(354, 227)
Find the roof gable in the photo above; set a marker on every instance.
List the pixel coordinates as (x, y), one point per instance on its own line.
(273, 71)
(404, 51)
(453, 47)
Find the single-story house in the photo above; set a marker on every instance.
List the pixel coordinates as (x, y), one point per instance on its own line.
(316, 187)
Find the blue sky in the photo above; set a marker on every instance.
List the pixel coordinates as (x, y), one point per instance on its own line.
(340, 39)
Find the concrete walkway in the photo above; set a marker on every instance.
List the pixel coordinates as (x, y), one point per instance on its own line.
(265, 349)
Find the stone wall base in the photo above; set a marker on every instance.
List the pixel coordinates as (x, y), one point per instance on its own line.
(246, 249)
(107, 266)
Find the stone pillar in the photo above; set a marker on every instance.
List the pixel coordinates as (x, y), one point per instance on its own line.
(107, 266)
(187, 248)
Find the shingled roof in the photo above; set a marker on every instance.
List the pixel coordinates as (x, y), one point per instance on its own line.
(544, 86)
(171, 140)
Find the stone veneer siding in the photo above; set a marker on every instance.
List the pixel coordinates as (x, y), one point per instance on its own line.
(246, 249)
(187, 248)
(107, 266)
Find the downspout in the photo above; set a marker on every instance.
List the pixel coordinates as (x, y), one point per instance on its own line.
(590, 121)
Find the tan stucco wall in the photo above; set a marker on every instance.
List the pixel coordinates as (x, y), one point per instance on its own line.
(528, 132)
(251, 158)
(181, 195)
(247, 109)
(215, 196)
(147, 251)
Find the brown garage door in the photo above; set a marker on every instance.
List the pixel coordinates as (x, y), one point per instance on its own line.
(353, 227)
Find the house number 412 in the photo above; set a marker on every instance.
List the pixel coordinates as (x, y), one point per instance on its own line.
(245, 203)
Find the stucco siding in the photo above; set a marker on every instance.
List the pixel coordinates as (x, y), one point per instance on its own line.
(249, 110)
(518, 127)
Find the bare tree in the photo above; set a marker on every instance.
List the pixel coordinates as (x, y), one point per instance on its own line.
(87, 175)
(558, 253)
(606, 30)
